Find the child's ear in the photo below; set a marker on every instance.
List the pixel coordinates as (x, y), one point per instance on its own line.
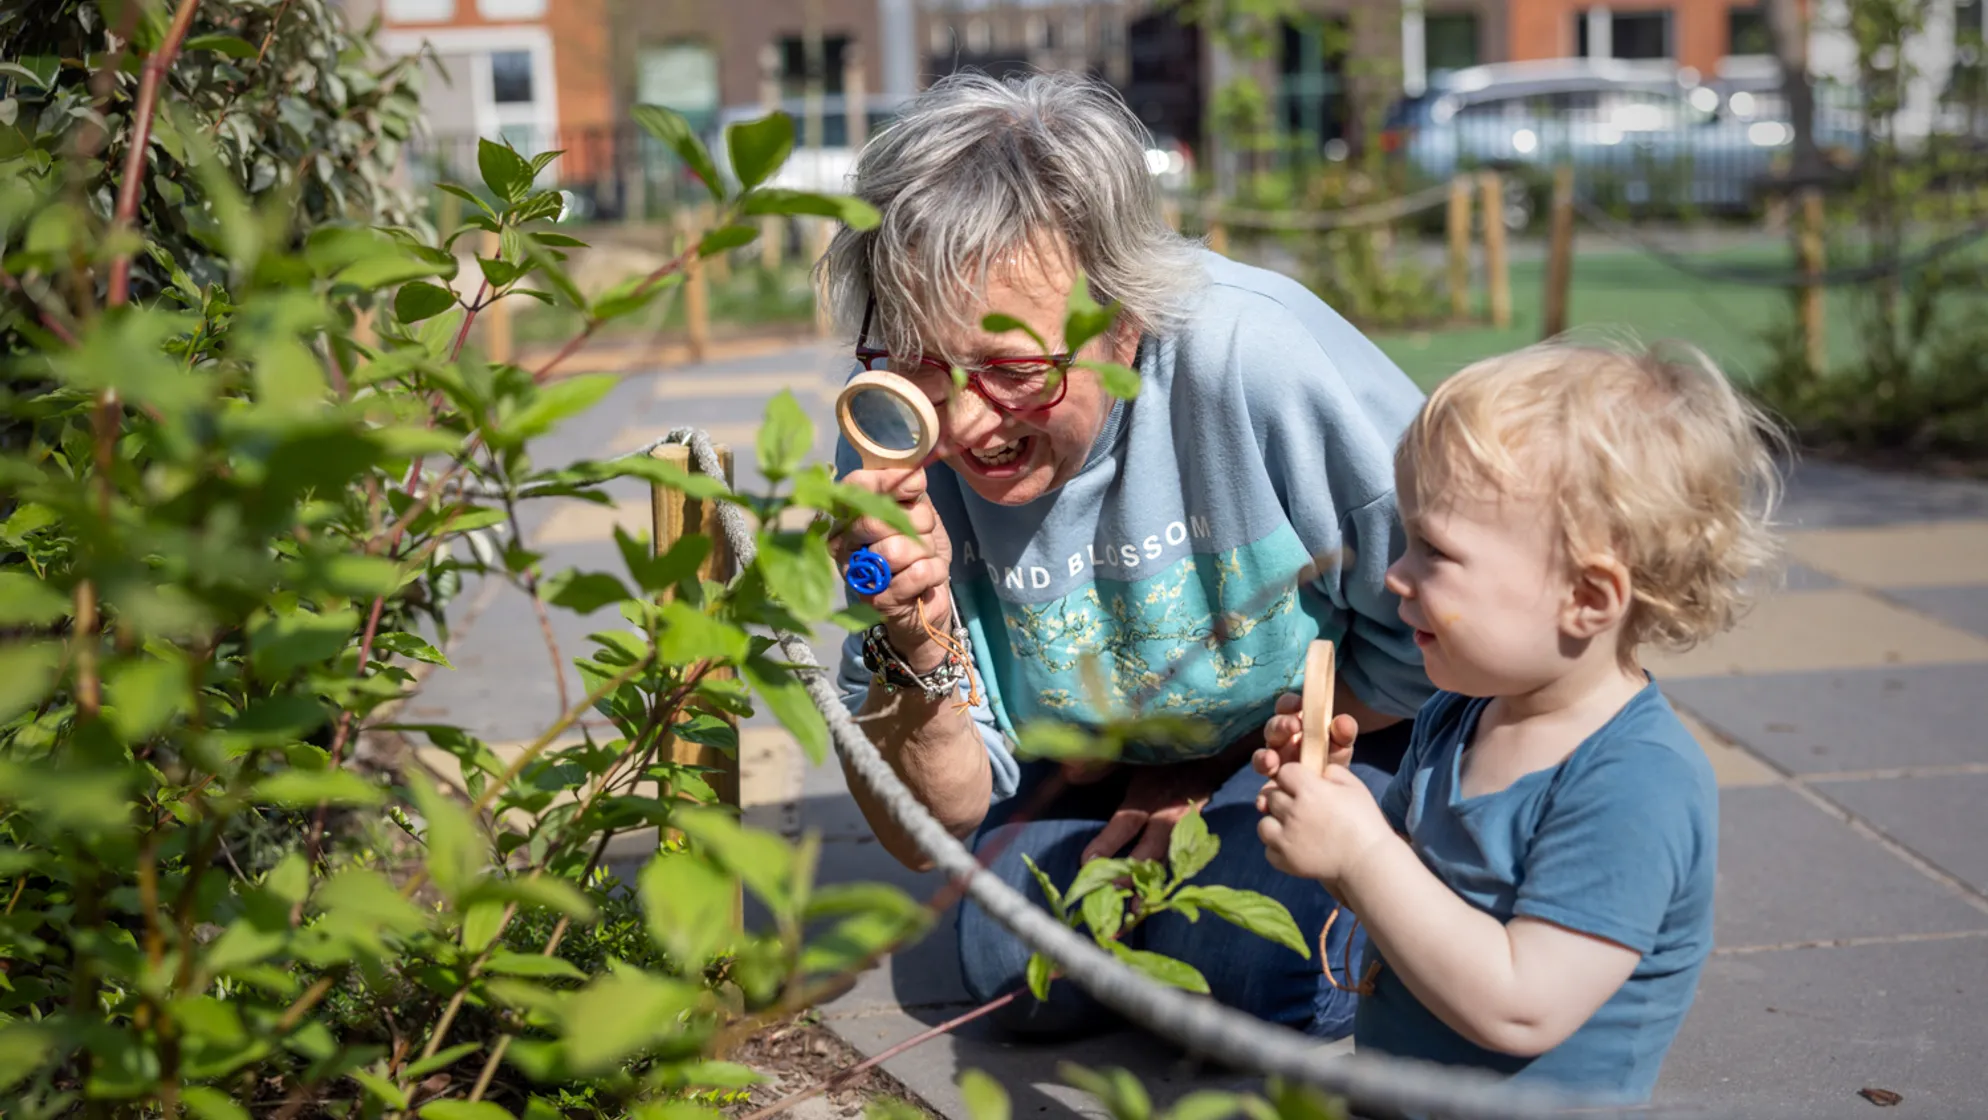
(1598, 598)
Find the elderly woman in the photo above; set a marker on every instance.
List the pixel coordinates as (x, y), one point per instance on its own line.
(1175, 553)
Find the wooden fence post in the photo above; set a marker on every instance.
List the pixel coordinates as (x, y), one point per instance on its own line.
(1459, 234)
(675, 516)
(721, 264)
(1497, 271)
(1560, 258)
(1813, 339)
(1218, 234)
(496, 318)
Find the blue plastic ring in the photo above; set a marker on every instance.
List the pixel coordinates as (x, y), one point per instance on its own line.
(868, 574)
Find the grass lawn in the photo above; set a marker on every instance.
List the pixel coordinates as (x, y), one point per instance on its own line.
(1627, 290)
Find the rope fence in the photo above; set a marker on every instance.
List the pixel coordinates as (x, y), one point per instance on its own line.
(1199, 1025)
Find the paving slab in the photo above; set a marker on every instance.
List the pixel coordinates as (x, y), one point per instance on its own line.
(1860, 719)
(1935, 554)
(1790, 873)
(1943, 818)
(1965, 608)
(1845, 628)
(1834, 495)
(1796, 1033)
(1800, 577)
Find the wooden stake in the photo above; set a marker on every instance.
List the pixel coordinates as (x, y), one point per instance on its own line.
(676, 516)
(1459, 232)
(721, 265)
(696, 294)
(1218, 236)
(496, 318)
(1560, 259)
(1498, 274)
(1813, 217)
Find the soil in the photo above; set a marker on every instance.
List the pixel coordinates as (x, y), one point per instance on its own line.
(799, 1055)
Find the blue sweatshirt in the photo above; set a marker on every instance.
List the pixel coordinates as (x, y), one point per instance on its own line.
(1262, 438)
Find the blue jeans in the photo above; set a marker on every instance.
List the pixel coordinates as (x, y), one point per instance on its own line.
(1243, 970)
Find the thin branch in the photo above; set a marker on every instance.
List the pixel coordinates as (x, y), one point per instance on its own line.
(55, 326)
(678, 264)
(141, 142)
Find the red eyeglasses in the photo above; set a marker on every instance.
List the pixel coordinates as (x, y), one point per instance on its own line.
(1012, 385)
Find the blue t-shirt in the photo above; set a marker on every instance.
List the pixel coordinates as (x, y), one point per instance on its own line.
(1620, 841)
(1261, 444)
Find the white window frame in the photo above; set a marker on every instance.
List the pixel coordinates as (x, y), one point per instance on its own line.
(541, 114)
(444, 11)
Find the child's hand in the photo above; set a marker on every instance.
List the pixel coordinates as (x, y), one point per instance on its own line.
(1319, 826)
(1285, 730)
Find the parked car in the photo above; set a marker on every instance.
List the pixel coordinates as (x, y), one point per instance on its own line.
(1642, 133)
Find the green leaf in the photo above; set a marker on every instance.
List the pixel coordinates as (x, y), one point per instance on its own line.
(1120, 381)
(456, 851)
(583, 592)
(567, 397)
(637, 293)
(762, 859)
(1191, 847)
(1040, 971)
(442, 1059)
(618, 1015)
(469, 197)
(280, 646)
(504, 171)
(1049, 890)
(420, 300)
(1164, 969)
(549, 267)
(504, 962)
(726, 238)
(1261, 915)
(24, 1046)
(229, 45)
(1083, 319)
(463, 1110)
(358, 898)
(655, 573)
(1104, 913)
(499, 273)
(28, 601)
(535, 892)
(38, 71)
(785, 438)
(1095, 874)
(851, 212)
(999, 323)
(379, 1088)
(72, 795)
(787, 698)
(759, 147)
(144, 695)
(1119, 1090)
(672, 129)
(878, 918)
(481, 923)
(690, 905)
(800, 572)
(985, 1098)
(209, 1103)
(689, 635)
(27, 672)
(304, 789)
(1205, 1104)
(410, 645)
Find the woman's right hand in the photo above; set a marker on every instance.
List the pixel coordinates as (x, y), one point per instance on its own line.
(920, 567)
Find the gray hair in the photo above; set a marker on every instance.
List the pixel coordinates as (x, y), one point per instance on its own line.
(975, 170)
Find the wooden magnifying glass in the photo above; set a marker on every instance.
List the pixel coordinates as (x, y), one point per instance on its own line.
(888, 420)
(1315, 742)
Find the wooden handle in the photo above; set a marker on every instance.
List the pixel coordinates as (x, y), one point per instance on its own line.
(1315, 745)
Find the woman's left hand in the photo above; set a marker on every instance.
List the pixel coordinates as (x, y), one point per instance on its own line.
(1155, 800)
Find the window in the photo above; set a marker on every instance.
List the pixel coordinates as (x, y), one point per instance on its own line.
(794, 64)
(511, 77)
(1968, 25)
(942, 38)
(680, 76)
(1746, 31)
(511, 9)
(1449, 41)
(1640, 35)
(979, 37)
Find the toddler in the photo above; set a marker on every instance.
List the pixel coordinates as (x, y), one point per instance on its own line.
(1536, 884)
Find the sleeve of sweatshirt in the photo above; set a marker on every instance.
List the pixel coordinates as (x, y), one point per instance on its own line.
(852, 680)
(1328, 408)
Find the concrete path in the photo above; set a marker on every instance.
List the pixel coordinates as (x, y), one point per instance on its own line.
(1845, 719)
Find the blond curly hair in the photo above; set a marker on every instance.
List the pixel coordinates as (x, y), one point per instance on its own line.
(1648, 455)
